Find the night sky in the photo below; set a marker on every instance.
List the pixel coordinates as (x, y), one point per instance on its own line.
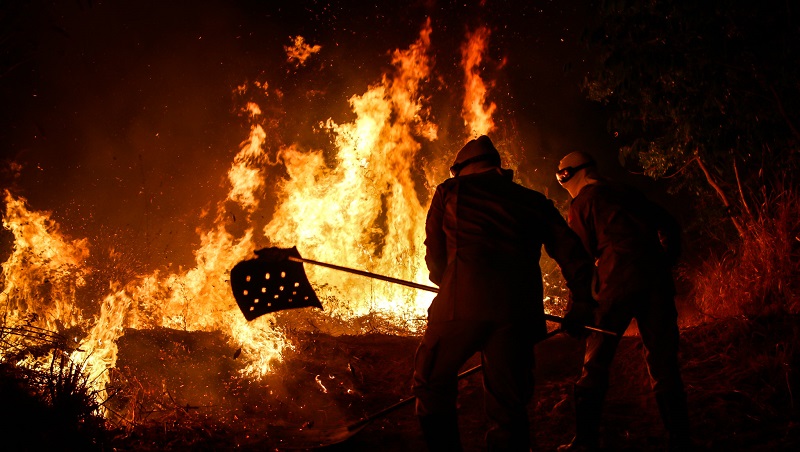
(121, 118)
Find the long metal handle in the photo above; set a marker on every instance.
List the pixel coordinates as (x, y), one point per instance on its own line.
(403, 282)
(408, 400)
(405, 402)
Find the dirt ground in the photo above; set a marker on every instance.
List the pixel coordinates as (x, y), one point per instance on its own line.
(193, 399)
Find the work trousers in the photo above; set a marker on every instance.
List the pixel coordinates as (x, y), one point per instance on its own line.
(657, 320)
(507, 358)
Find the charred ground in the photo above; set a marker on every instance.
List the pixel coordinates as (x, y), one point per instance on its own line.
(180, 391)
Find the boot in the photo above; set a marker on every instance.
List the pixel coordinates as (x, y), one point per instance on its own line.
(441, 432)
(675, 414)
(588, 406)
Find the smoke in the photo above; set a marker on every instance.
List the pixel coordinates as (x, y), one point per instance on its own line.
(126, 116)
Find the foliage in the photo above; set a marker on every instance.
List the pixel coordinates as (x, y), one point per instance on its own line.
(713, 83)
(52, 404)
(763, 274)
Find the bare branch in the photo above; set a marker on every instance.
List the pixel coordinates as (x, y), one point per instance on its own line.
(721, 193)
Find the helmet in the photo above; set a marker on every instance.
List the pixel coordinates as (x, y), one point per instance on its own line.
(477, 150)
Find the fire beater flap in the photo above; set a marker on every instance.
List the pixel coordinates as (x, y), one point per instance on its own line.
(271, 282)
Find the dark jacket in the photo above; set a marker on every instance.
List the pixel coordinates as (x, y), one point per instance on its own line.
(634, 240)
(484, 240)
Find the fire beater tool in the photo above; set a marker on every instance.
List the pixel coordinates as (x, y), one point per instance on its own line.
(275, 280)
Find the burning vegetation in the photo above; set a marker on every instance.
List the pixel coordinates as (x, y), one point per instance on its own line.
(95, 357)
(160, 342)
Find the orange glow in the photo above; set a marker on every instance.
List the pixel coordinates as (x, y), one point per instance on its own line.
(365, 209)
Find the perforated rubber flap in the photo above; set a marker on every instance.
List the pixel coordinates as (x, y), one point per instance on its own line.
(271, 283)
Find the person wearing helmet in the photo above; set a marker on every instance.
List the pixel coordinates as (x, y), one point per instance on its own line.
(484, 235)
(635, 243)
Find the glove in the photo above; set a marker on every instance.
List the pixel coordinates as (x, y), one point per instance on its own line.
(577, 317)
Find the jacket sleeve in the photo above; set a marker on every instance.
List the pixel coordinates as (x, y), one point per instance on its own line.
(565, 247)
(435, 240)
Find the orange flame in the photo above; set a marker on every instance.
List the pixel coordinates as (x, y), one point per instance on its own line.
(44, 270)
(365, 212)
(300, 51)
(477, 116)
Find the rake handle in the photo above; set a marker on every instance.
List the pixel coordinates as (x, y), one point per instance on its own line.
(403, 282)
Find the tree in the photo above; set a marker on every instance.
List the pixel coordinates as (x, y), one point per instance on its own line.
(705, 91)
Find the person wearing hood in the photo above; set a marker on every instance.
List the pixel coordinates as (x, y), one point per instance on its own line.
(484, 235)
(635, 243)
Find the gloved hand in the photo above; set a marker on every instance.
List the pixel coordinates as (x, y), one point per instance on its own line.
(578, 315)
